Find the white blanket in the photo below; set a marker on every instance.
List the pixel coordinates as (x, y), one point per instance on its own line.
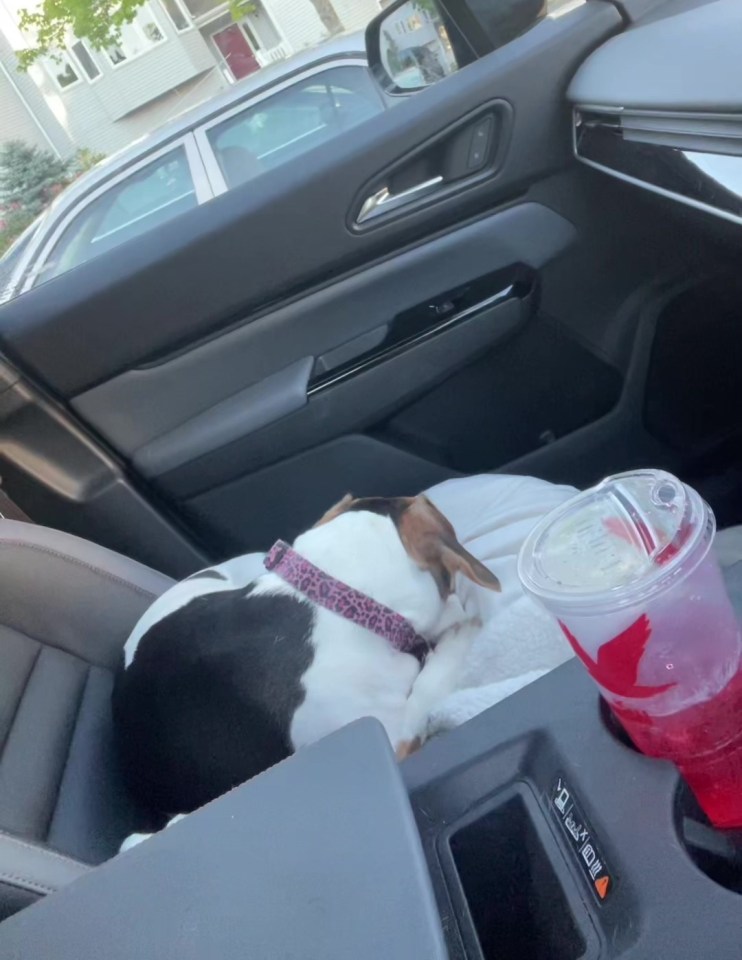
(519, 642)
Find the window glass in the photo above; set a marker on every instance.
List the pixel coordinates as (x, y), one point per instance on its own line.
(62, 71)
(137, 37)
(176, 13)
(289, 123)
(151, 196)
(12, 256)
(85, 59)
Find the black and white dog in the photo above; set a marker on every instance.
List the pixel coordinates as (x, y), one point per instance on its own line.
(220, 686)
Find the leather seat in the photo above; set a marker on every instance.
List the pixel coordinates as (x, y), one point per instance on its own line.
(66, 609)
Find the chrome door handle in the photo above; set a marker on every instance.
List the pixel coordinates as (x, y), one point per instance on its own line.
(384, 201)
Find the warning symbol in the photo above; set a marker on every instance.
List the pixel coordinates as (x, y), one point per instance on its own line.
(601, 885)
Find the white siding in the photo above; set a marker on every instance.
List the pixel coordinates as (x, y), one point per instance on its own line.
(15, 121)
(123, 103)
(127, 102)
(151, 117)
(298, 22)
(356, 14)
(139, 95)
(302, 27)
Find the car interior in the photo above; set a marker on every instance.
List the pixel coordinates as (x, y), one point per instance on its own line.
(528, 267)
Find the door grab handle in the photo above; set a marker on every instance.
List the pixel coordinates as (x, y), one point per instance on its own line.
(384, 201)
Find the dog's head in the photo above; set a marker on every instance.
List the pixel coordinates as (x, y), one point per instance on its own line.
(427, 536)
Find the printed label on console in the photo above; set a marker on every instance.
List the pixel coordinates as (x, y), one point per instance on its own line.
(581, 839)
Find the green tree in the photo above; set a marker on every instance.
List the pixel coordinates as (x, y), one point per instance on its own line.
(97, 21)
(30, 177)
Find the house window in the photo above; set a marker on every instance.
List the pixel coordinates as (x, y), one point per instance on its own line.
(84, 57)
(62, 69)
(179, 17)
(136, 38)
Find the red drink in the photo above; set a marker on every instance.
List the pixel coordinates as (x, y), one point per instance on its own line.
(705, 741)
(627, 569)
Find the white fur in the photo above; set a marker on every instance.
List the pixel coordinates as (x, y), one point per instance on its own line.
(356, 673)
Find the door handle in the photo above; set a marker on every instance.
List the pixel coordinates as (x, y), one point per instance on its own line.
(384, 201)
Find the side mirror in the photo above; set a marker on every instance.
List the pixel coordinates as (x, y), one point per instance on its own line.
(415, 43)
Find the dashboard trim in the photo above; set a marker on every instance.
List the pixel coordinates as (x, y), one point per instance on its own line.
(664, 153)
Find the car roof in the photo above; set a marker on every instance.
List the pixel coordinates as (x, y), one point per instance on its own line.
(350, 45)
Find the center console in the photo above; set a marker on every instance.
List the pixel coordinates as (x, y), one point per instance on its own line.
(534, 831)
(548, 835)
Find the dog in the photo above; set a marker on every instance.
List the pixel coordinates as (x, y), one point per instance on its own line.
(360, 618)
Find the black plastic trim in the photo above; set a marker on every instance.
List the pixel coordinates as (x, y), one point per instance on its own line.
(397, 343)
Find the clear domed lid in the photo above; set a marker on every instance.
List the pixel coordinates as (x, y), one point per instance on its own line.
(614, 541)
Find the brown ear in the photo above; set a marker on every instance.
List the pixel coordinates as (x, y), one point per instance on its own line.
(340, 507)
(431, 541)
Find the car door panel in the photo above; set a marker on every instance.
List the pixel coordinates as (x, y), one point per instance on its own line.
(144, 404)
(61, 477)
(243, 365)
(206, 461)
(277, 242)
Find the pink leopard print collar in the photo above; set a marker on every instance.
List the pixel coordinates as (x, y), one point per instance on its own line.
(332, 594)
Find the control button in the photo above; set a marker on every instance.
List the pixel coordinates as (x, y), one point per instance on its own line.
(479, 146)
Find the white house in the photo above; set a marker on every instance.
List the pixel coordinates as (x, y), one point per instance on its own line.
(175, 54)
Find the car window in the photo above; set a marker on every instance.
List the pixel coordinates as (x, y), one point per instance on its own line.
(292, 121)
(12, 256)
(152, 195)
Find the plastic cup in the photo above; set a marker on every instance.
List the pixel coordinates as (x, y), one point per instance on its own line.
(626, 569)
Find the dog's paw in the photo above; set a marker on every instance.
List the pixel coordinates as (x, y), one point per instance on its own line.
(463, 631)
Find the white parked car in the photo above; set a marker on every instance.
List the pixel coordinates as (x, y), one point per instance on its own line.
(264, 120)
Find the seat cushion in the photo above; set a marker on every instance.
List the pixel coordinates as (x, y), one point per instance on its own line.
(59, 782)
(66, 608)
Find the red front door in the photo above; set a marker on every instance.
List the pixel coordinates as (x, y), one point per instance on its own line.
(236, 51)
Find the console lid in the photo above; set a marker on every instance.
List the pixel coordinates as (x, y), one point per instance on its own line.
(319, 857)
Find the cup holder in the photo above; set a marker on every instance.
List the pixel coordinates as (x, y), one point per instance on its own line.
(717, 853)
(517, 905)
(613, 725)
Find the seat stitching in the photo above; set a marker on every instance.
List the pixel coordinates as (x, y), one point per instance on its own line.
(78, 710)
(65, 558)
(23, 694)
(43, 850)
(25, 882)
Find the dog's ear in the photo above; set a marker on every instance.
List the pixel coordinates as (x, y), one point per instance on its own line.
(431, 541)
(340, 507)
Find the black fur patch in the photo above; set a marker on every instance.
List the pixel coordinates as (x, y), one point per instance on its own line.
(209, 699)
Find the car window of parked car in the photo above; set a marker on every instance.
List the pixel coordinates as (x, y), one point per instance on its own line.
(292, 121)
(12, 256)
(153, 194)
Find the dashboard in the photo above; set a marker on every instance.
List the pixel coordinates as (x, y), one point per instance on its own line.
(660, 106)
